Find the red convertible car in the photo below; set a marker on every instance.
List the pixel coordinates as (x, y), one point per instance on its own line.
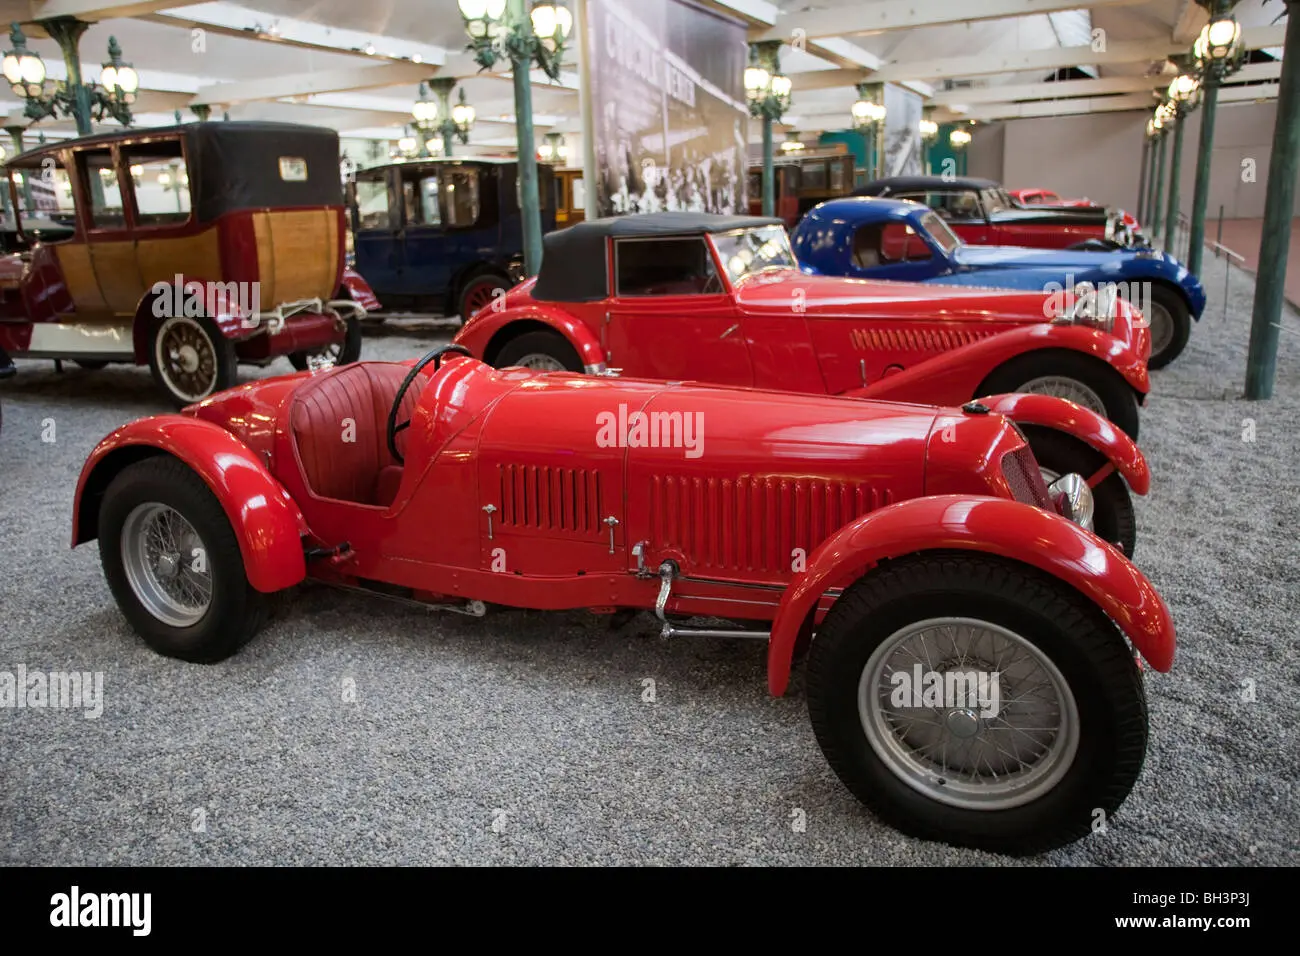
(969, 669)
(687, 296)
(1045, 197)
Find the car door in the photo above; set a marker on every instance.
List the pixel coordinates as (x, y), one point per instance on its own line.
(108, 235)
(892, 250)
(376, 229)
(671, 315)
(427, 252)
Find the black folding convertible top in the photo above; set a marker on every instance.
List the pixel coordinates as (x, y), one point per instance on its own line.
(573, 260)
(907, 184)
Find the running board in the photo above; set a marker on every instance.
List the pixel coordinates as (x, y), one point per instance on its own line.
(468, 608)
(668, 571)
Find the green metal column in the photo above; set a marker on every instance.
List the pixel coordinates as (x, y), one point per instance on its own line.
(1279, 199)
(532, 209)
(1158, 199)
(442, 87)
(1142, 176)
(769, 183)
(66, 32)
(1201, 191)
(1175, 171)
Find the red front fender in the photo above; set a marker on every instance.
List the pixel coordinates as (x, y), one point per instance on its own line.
(485, 332)
(1082, 423)
(993, 526)
(953, 377)
(267, 523)
(359, 290)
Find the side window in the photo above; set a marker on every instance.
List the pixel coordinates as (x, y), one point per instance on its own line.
(900, 243)
(866, 245)
(160, 183)
(99, 179)
(664, 267)
(964, 205)
(50, 189)
(372, 203)
(430, 215)
(579, 188)
(459, 196)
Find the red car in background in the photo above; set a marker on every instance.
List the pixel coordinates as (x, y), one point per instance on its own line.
(1045, 197)
(692, 296)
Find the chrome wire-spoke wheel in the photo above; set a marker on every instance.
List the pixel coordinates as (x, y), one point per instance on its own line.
(991, 725)
(1070, 389)
(166, 564)
(186, 358)
(1161, 325)
(541, 362)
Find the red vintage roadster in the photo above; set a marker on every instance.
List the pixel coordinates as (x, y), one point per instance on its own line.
(969, 669)
(686, 296)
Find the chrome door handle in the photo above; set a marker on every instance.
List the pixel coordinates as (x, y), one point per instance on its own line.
(729, 331)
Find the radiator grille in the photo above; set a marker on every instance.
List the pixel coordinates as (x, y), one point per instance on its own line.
(543, 498)
(753, 523)
(1026, 481)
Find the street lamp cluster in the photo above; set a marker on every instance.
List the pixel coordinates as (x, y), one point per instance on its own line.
(26, 74)
(455, 123)
(767, 91)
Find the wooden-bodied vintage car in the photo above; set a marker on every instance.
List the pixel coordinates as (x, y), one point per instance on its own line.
(195, 248)
(691, 296)
(870, 238)
(871, 536)
(981, 212)
(445, 234)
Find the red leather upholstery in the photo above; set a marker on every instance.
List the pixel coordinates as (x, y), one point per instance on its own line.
(339, 421)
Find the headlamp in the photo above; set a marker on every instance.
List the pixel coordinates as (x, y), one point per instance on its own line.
(1092, 306)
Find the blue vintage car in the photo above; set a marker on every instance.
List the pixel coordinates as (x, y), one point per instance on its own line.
(442, 234)
(866, 238)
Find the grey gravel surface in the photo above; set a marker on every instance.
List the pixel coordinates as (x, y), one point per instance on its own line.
(353, 731)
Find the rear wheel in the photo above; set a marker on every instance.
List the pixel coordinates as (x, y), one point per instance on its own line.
(479, 292)
(1060, 454)
(1170, 323)
(190, 358)
(972, 700)
(1077, 378)
(338, 353)
(541, 351)
(173, 563)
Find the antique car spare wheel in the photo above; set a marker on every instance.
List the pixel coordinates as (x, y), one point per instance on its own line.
(191, 359)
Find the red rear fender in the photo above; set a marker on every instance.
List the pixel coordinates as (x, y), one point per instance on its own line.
(1084, 424)
(488, 332)
(267, 523)
(994, 526)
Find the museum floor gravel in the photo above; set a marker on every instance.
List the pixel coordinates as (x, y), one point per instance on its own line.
(353, 731)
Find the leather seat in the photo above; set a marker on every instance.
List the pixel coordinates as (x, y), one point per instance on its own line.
(339, 421)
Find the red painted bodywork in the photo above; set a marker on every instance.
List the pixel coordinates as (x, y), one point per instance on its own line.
(735, 510)
(1045, 197)
(359, 290)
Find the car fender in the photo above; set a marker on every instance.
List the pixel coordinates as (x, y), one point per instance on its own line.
(359, 290)
(267, 523)
(1087, 426)
(954, 376)
(994, 526)
(487, 332)
(220, 302)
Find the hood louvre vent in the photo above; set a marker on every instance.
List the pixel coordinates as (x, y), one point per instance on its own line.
(567, 500)
(753, 523)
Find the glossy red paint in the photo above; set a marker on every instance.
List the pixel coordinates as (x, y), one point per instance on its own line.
(1045, 197)
(993, 526)
(265, 519)
(1082, 423)
(784, 329)
(359, 290)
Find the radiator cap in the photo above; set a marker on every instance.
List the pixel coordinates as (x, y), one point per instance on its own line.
(975, 408)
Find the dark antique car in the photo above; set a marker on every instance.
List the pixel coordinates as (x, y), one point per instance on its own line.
(981, 212)
(442, 233)
(800, 183)
(969, 670)
(195, 248)
(868, 238)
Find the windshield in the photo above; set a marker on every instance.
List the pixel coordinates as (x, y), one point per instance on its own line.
(747, 251)
(995, 200)
(944, 236)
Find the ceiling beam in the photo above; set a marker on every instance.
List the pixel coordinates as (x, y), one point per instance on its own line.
(1048, 91)
(1103, 104)
(888, 15)
(102, 9)
(306, 84)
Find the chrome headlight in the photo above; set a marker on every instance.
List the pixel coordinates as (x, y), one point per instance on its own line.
(1095, 306)
(1072, 498)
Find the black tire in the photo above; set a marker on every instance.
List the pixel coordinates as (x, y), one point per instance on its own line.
(477, 291)
(1116, 395)
(1083, 645)
(1113, 519)
(91, 365)
(235, 611)
(342, 353)
(1095, 245)
(550, 344)
(224, 370)
(1180, 316)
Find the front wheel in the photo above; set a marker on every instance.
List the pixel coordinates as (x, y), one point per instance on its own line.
(190, 358)
(1112, 505)
(978, 702)
(338, 353)
(1170, 323)
(540, 351)
(1075, 377)
(174, 565)
(479, 292)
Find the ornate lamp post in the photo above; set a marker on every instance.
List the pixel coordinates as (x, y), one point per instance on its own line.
(456, 120)
(1218, 54)
(1279, 199)
(554, 151)
(959, 139)
(507, 30)
(792, 143)
(1159, 123)
(929, 133)
(25, 71)
(1149, 171)
(768, 91)
(869, 120)
(1182, 100)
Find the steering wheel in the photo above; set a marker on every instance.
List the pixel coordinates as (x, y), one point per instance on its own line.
(435, 357)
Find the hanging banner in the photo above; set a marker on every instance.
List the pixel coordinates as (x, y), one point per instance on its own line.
(666, 113)
(903, 110)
